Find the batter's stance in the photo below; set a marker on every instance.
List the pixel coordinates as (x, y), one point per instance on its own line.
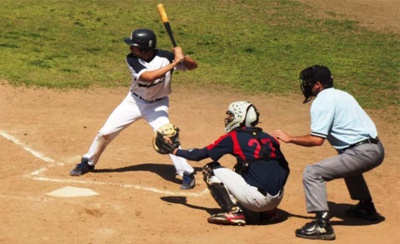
(147, 99)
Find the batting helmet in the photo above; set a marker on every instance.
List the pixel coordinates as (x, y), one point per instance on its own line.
(145, 39)
(241, 113)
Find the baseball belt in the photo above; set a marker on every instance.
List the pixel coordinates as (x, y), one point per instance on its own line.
(369, 140)
(149, 101)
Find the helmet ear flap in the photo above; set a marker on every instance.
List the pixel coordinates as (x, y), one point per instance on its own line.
(241, 113)
(252, 116)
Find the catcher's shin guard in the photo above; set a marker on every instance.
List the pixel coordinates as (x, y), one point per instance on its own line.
(221, 195)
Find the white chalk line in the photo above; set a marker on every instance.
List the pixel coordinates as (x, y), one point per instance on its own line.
(29, 198)
(26, 148)
(36, 175)
(152, 189)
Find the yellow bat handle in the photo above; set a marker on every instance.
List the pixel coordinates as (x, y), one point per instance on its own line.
(163, 14)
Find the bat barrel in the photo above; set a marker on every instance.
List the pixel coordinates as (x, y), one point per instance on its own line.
(164, 19)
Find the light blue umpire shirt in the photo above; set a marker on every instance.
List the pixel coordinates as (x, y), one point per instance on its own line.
(337, 117)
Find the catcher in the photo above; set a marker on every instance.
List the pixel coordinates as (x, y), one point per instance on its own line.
(256, 183)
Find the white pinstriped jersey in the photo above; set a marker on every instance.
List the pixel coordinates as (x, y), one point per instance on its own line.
(158, 88)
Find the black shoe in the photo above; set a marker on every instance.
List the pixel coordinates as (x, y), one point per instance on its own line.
(188, 181)
(82, 168)
(363, 210)
(317, 230)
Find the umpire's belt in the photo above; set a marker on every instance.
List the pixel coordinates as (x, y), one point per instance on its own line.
(369, 140)
(149, 101)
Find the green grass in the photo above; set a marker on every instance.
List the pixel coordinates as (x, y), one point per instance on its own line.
(256, 46)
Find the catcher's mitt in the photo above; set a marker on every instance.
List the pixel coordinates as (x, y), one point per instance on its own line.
(166, 139)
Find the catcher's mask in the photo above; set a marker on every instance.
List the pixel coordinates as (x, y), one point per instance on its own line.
(239, 114)
(145, 39)
(310, 76)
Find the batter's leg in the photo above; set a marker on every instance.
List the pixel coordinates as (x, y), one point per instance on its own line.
(98, 145)
(126, 113)
(157, 116)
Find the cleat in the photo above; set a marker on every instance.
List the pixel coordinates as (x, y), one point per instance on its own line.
(82, 168)
(317, 230)
(235, 217)
(188, 181)
(363, 210)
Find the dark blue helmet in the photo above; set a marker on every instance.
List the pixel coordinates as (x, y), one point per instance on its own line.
(145, 39)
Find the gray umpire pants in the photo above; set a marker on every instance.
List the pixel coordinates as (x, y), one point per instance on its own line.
(350, 165)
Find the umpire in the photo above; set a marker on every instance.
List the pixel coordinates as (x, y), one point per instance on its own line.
(337, 117)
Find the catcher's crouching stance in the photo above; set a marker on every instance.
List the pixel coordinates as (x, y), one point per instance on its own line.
(255, 184)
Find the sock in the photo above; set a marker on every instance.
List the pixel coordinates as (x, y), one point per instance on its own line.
(322, 215)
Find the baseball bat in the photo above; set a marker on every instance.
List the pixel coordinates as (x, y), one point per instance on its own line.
(164, 19)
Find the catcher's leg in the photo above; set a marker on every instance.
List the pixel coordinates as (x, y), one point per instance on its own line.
(217, 189)
(221, 196)
(232, 214)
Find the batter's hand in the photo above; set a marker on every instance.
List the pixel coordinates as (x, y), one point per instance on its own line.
(178, 54)
(283, 136)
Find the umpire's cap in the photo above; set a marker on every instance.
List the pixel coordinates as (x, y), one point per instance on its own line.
(316, 73)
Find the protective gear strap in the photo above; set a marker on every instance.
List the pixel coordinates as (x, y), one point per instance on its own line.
(221, 196)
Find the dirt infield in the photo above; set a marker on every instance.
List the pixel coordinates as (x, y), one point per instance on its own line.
(139, 199)
(43, 134)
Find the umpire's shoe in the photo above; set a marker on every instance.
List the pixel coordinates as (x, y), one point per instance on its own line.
(188, 181)
(363, 210)
(234, 217)
(320, 229)
(82, 168)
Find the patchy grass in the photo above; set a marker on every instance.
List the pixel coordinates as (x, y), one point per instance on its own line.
(255, 46)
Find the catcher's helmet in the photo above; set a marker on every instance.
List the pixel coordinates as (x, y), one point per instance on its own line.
(241, 113)
(309, 76)
(145, 39)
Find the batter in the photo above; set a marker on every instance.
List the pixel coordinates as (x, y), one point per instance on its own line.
(151, 71)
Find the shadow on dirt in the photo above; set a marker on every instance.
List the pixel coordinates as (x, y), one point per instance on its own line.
(167, 172)
(252, 218)
(337, 210)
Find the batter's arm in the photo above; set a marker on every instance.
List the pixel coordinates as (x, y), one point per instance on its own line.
(152, 75)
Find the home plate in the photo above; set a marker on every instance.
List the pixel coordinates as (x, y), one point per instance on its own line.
(70, 191)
